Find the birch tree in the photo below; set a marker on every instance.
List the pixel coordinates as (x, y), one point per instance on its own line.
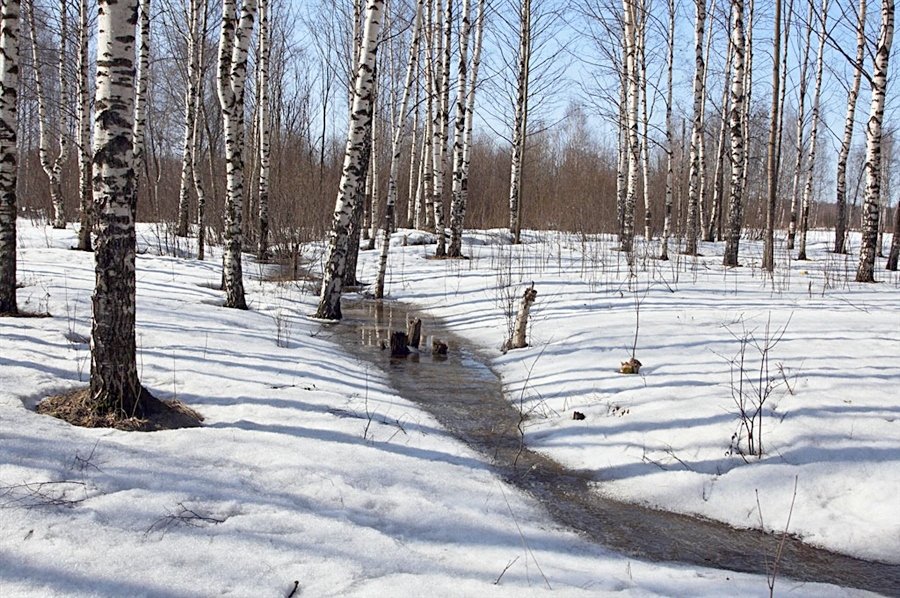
(670, 133)
(9, 84)
(396, 137)
(840, 226)
(232, 74)
(191, 101)
(772, 147)
(114, 387)
(457, 207)
(442, 122)
(83, 121)
(631, 123)
(264, 127)
(736, 124)
(865, 272)
(693, 212)
(354, 167)
(196, 173)
(52, 165)
(801, 118)
(143, 80)
(813, 134)
(520, 122)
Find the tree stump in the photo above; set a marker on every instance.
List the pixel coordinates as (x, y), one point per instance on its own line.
(518, 340)
(414, 332)
(632, 366)
(438, 347)
(398, 344)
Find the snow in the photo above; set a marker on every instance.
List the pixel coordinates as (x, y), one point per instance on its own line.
(309, 468)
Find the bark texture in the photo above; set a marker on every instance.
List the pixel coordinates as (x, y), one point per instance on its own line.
(692, 230)
(840, 225)
(736, 124)
(354, 169)
(520, 122)
(9, 84)
(83, 118)
(233, 45)
(114, 386)
(865, 272)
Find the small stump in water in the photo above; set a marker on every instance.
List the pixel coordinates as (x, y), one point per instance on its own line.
(632, 366)
(578, 415)
(438, 347)
(399, 346)
(414, 332)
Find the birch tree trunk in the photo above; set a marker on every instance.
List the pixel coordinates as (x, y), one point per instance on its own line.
(810, 167)
(733, 237)
(143, 79)
(196, 173)
(714, 225)
(520, 122)
(391, 201)
(622, 148)
(233, 45)
(192, 94)
(670, 133)
(894, 252)
(52, 166)
(354, 165)
(83, 118)
(457, 207)
(440, 138)
(641, 39)
(801, 116)
(693, 212)
(840, 227)
(114, 387)
(631, 119)
(772, 147)
(428, 141)
(415, 165)
(264, 128)
(866, 270)
(9, 85)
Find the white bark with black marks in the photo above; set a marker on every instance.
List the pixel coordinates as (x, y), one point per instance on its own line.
(457, 208)
(114, 385)
(736, 124)
(9, 83)
(264, 127)
(670, 133)
(801, 119)
(192, 95)
(692, 230)
(865, 272)
(520, 122)
(401, 116)
(840, 226)
(232, 74)
(354, 168)
(813, 134)
(83, 122)
(52, 165)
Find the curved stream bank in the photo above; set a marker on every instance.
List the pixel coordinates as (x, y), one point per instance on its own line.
(461, 392)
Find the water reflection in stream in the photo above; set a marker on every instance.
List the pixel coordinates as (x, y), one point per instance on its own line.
(461, 392)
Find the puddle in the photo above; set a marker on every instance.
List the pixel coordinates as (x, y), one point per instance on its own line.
(461, 392)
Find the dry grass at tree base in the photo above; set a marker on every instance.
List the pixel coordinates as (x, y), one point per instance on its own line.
(74, 408)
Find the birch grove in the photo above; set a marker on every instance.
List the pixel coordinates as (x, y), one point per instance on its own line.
(865, 272)
(354, 164)
(232, 74)
(9, 84)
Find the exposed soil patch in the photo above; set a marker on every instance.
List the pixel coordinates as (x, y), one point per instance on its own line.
(74, 408)
(25, 314)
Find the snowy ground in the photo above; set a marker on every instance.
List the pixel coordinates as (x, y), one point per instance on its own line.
(832, 420)
(290, 479)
